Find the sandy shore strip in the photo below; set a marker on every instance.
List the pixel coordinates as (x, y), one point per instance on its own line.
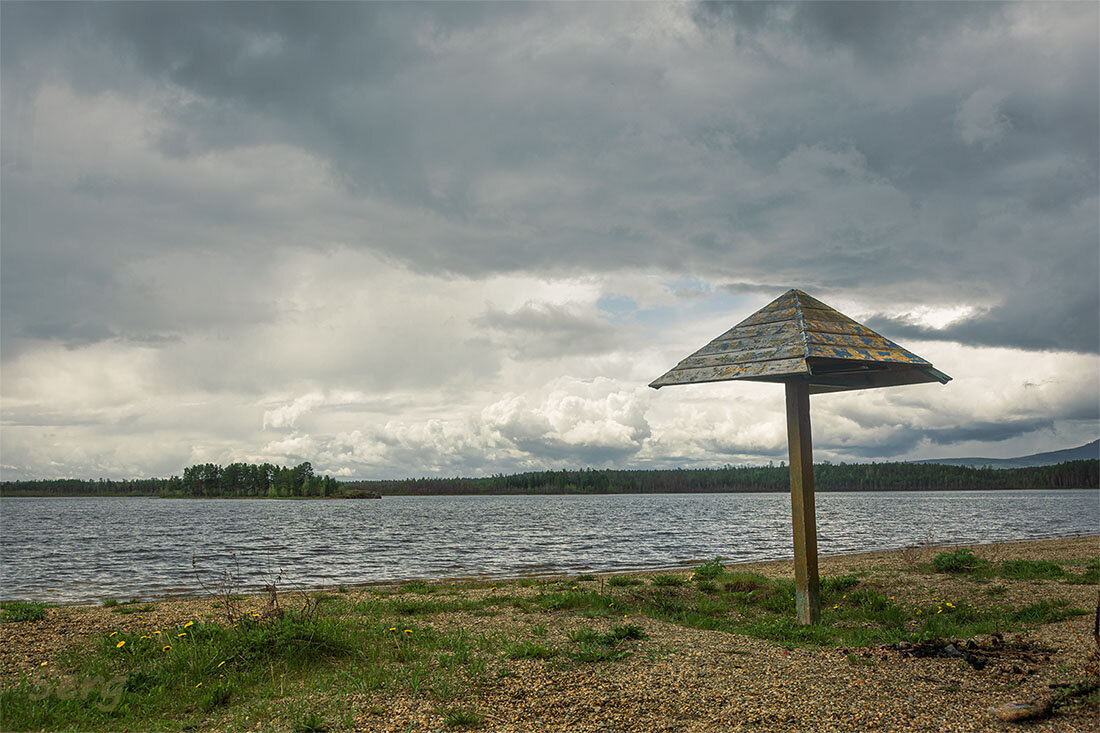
(678, 678)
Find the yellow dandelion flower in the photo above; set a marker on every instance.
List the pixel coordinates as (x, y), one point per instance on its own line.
(220, 664)
(393, 628)
(609, 605)
(188, 624)
(166, 648)
(146, 636)
(180, 636)
(113, 633)
(120, 644)
(198, 685)
(835, 607)
(43, 664)
(408, 631)
(574, 588)
(156, 633)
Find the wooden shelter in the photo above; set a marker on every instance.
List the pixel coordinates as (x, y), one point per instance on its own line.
(811, 348)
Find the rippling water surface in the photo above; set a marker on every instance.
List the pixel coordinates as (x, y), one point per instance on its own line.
(87, 549)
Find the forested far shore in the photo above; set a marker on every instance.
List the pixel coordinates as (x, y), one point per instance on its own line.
(237, 480)
(241, 480)
(827, 477)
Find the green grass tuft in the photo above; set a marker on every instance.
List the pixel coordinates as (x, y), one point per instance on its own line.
(836, 585)
(610, 638)
(462, 718)
(1045, 612)
(744, 582)
(311, 723)
(628, 631)
(710, 569)
(1091, 576)
(529, 650)
(1030, 570)
(622, 581)
(17, 611)
(216, 696)
(959, 561)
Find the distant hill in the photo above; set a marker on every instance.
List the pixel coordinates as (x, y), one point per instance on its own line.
(1086, 452)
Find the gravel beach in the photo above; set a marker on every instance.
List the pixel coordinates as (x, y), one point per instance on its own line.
(688, 679)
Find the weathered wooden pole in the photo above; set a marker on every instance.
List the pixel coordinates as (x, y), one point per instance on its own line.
(807, 587)
(808, 346)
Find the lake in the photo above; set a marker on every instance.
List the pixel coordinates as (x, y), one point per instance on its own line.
(82, 550)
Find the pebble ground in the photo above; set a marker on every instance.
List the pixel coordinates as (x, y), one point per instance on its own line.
(683, 679)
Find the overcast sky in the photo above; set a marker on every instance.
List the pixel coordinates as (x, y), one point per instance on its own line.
(461, 239)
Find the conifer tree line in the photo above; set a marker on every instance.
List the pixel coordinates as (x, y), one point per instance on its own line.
(268, 480)
(206, 479)
(827, 477)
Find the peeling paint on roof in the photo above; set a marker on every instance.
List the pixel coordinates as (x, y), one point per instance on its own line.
(797, 337)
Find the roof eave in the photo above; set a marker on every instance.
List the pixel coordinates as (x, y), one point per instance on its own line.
(864, 376)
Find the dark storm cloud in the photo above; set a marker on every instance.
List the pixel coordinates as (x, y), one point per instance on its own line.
(954, 161)
(902, 439)
(766, 289)
(875, 32)
(988, 432)
(1065, 322)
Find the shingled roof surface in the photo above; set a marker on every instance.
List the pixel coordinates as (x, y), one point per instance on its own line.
(798, 337)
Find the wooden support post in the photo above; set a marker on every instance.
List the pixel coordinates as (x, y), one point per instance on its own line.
(807, 589)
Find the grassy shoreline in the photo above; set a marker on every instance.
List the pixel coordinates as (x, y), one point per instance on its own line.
(708, 649)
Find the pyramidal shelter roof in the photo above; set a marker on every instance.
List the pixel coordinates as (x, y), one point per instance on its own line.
(799, 338)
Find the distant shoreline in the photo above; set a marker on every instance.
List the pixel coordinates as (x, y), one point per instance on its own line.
(34, 495)
(270, 481)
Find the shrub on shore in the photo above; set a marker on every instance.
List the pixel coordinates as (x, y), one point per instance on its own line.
(959, 561)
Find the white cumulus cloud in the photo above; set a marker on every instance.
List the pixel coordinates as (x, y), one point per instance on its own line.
(287, 415)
